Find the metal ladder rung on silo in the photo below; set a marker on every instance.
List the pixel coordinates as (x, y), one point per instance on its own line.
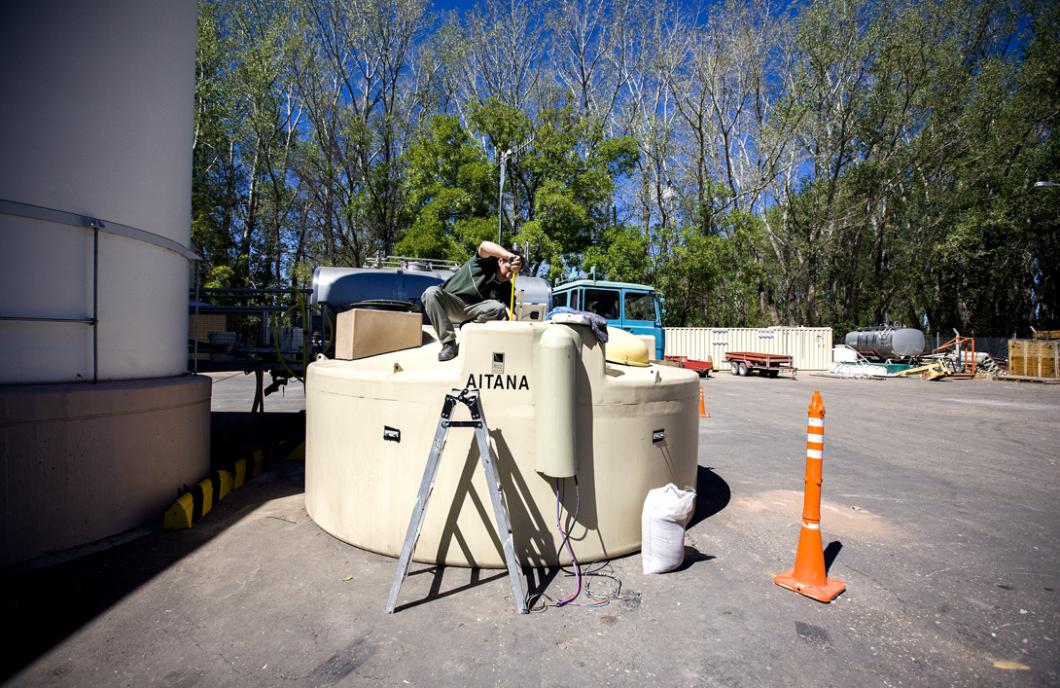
(470, 398)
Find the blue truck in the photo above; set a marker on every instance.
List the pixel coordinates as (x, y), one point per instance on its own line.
(636, 308)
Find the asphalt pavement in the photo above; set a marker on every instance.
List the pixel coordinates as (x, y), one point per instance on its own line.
(940, 513)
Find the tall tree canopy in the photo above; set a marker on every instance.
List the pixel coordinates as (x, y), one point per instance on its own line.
(836, 162)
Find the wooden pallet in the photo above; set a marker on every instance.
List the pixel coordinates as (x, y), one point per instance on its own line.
(1024, 378)
(1034, 358)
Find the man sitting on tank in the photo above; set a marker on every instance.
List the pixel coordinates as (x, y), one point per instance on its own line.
(479, 290)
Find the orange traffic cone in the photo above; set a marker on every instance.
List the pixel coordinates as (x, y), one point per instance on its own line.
(807, 577)
(702, 405)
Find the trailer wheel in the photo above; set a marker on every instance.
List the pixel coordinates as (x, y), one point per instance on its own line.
(734, 367)
(742, 370)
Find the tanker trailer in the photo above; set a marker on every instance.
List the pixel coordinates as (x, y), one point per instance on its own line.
(887, 342)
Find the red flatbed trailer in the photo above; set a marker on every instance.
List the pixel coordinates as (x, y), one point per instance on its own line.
(768, 365)
(703, 368)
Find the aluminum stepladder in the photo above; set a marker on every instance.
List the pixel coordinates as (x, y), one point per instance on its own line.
(470, 398)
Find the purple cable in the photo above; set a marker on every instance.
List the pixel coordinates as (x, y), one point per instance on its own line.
(570, 551)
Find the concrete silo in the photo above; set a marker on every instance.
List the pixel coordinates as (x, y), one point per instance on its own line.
(99, 424)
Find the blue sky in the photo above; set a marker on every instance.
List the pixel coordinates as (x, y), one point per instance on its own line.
(459, 5)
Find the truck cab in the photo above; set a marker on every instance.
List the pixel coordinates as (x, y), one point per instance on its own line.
(635, 308)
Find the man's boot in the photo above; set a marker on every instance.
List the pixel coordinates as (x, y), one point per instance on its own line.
(448, 352)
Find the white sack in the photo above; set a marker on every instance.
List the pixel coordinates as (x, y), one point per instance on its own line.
(662, 523)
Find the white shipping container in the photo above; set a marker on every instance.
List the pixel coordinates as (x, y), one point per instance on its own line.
(809, 347)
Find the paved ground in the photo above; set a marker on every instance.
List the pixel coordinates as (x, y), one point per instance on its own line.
(940, 506)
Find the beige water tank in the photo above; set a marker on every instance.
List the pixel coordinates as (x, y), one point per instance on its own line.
(370, 424)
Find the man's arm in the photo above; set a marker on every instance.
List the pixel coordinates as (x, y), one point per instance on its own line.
(488, 249)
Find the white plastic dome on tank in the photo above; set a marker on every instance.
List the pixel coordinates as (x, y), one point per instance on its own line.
(630, 429)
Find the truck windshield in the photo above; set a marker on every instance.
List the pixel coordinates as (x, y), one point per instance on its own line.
(640, 306)
(603, 302)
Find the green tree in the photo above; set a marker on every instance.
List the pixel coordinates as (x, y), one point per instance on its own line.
(563, 185)
(449, 185)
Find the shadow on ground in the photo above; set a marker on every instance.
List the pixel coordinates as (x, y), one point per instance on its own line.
(476, 577)
(48, 604)
(830, 553)
(692, 557)
(712, 495)
(234, 434)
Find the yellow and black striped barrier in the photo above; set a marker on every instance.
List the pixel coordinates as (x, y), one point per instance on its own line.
(195, 501)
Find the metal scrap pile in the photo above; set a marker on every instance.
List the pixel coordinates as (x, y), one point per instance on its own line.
(957, 358)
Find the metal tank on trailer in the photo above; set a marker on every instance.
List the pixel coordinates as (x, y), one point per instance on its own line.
(887, 342)
(557, 410)
(396, 281)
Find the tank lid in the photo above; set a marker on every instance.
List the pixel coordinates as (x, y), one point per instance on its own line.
(624, 348)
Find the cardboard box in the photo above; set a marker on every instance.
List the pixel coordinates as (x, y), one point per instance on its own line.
(362, 332)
